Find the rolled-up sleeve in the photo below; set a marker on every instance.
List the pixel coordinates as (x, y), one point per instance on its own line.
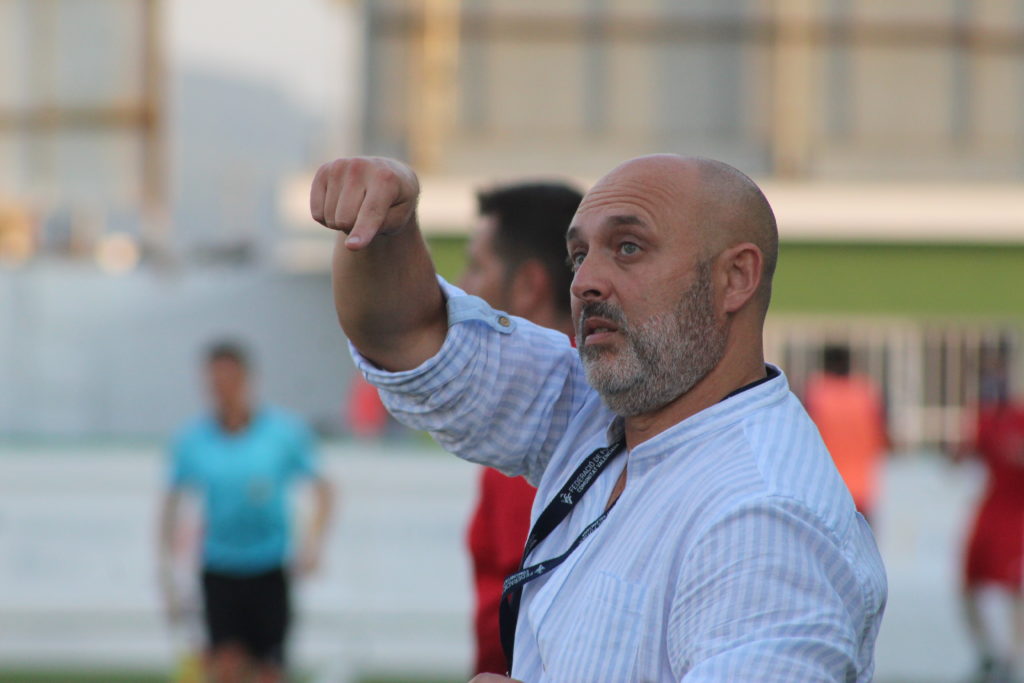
(500, 391)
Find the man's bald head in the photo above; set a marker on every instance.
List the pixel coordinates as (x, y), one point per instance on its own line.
(730, 208)
(672, 260)
(735, 210)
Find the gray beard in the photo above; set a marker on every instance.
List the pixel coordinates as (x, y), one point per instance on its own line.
(663, 357)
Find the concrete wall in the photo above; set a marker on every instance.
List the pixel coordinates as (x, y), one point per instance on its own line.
(85, 354)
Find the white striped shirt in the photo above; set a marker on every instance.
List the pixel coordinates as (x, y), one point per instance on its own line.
(734, 553)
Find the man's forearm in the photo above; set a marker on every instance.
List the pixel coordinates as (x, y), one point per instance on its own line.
(388, 300)
(385, 290)
(168, 517)
(323, 505)
(165, 548)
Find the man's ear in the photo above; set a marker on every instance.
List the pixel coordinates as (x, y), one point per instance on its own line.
(742, 265)
(531, 287)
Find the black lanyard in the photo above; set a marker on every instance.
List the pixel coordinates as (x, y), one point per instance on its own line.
(556, 511)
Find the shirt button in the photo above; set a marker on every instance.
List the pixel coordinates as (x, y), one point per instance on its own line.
(504, 321)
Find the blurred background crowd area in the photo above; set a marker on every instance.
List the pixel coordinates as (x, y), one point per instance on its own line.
(155, 159)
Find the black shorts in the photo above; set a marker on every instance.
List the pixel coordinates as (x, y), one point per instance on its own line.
(251, 611)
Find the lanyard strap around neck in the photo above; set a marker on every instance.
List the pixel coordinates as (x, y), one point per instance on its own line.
(553, 515)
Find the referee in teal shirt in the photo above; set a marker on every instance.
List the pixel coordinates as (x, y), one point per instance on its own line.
(242, 461)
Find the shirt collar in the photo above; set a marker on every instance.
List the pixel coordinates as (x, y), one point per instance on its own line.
(738, 404)
(771, 372)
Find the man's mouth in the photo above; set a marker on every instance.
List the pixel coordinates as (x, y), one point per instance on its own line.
(597, 329)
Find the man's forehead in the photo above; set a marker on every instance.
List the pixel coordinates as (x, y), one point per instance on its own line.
(611, 208)
(610, 220)
(659, 192)
(643, 191)
(481, 238)
(485, 224)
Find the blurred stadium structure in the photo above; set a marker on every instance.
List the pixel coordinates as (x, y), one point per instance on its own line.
(136, 211)
(889, 136)
(147, 205)
(81, 129)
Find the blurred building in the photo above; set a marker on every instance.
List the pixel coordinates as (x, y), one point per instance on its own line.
(889, 137)
(138, 206)
(81, 145)
(842, 89)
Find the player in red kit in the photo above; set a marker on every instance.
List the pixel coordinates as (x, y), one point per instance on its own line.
(995, 551)
(516, 262)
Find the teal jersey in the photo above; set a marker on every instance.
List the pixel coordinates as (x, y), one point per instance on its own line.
(244, 479)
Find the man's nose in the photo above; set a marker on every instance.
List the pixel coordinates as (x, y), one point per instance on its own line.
(590, 282)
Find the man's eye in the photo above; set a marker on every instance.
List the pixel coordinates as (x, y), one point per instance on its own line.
(576, 260)
(629, 249)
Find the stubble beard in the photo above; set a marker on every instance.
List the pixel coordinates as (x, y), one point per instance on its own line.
(662, 358)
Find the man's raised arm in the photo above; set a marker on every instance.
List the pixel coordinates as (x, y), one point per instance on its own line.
(385, 290)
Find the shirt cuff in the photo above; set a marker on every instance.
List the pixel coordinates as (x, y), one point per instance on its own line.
(439, 369)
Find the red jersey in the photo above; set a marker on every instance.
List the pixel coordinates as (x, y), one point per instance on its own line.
(999, 440)
(995, 553)
(849, 415)
(497, 534)
(367, 416)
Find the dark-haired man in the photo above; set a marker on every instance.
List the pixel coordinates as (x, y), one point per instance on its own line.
(516, 263)
(689, 523)
(242, 460)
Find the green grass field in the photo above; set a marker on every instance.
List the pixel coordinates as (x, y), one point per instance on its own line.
(870, 278)
(39, 676)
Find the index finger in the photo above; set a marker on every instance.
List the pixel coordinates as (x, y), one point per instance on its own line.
(372, 212)
(317, 194)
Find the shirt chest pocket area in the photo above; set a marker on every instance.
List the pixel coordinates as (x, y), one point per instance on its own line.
(245, 476)
(594, 634)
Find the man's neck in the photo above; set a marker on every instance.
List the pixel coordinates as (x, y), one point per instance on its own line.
(728, 376)
(234, 418)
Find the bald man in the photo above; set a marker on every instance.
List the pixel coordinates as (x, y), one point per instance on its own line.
(689, 523)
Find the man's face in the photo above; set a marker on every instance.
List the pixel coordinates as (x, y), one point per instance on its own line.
(662, 357)
(643, 296)
(485, 275)
(227, 382)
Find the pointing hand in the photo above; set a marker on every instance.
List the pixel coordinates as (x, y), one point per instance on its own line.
(364, 197)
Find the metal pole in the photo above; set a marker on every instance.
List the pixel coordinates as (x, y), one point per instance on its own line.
(156, 224)
(792, 98)
(434, 76)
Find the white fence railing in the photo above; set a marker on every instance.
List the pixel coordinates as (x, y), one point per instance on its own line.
(929, 372)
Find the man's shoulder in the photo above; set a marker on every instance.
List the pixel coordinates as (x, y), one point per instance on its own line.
(195, 429)
(797, 466)
(282, 420)
(775, 456)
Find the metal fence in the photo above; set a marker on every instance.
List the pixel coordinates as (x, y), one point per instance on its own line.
(929, 371)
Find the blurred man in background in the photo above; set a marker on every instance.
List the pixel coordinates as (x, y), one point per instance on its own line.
(516, 263)
(995, 551)
(241, 460)
(848, 411)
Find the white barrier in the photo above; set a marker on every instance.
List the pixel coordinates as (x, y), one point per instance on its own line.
(78, 577)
